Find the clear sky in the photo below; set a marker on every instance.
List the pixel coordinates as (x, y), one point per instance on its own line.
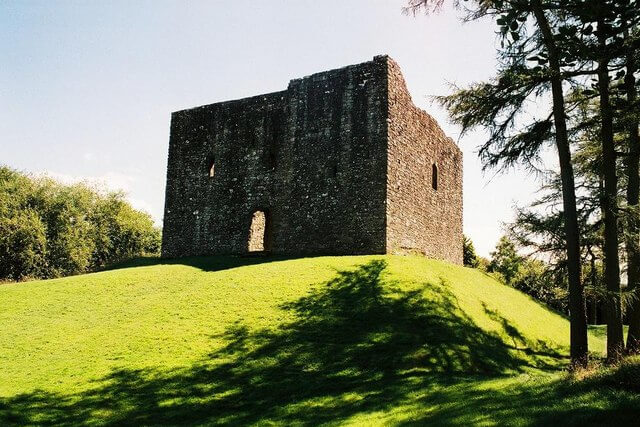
(87, 88)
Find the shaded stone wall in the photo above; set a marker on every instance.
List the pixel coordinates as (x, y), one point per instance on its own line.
(340, 163)
(313, 158)
(420, 218)
(206, 214)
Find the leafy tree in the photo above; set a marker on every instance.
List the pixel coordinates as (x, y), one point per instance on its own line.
(537, 280)
(603, 13)
(469, 257)
(48, 229)
(535, 58)
(529, 275)
(630, 117)
(604, 37)
(64, 210)
(539, 228)
(553, 45)
(505, 259)
(23, 245)
(483, 263)
(120, 232)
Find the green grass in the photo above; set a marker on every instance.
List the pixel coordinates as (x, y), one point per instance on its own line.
(600, 331)
(336, 340)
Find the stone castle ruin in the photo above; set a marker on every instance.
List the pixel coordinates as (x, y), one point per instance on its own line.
(341, 162)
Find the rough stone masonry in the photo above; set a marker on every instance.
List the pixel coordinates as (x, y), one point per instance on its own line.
(341, 162)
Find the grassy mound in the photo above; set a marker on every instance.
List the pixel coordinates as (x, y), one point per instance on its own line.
(377, 339)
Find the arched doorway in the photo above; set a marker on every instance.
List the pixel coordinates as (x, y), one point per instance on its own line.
(260, 232)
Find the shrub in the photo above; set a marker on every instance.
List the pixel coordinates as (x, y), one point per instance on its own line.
(22, 246)
(537, 280)
(505, 259)
(625, 375)
(469, 257)
(528, 274)
(48, 229)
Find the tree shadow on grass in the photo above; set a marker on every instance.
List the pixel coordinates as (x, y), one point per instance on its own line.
(357, 344)
(520, 342)
(552, 402)
(204, 263)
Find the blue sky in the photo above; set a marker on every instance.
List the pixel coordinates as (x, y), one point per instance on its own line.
(87, 88)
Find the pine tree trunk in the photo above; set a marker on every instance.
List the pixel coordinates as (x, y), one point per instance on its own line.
(633, 193)
(577, 305)
(615, 338)
(593, 279)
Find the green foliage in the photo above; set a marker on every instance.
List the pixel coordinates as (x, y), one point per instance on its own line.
(624, 375)
(505, 259)
(23, 245)
(48, 229)
(534, 278)
(483, 263)
(529, 275)
(469, 257)
(370, 340)
(121, 232)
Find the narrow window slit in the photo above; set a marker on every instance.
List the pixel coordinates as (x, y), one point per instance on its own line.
(434, 176)
(212, 168)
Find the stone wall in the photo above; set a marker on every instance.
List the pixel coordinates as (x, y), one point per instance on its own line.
(340, 163)
(312, 157)
(205, 214)
(420, 218)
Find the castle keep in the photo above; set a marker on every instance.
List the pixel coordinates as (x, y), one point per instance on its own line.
(341, 162)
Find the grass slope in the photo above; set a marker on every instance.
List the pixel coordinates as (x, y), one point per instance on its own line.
(353, 340)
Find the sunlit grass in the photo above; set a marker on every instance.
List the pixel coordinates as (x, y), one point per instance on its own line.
(371, 339)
